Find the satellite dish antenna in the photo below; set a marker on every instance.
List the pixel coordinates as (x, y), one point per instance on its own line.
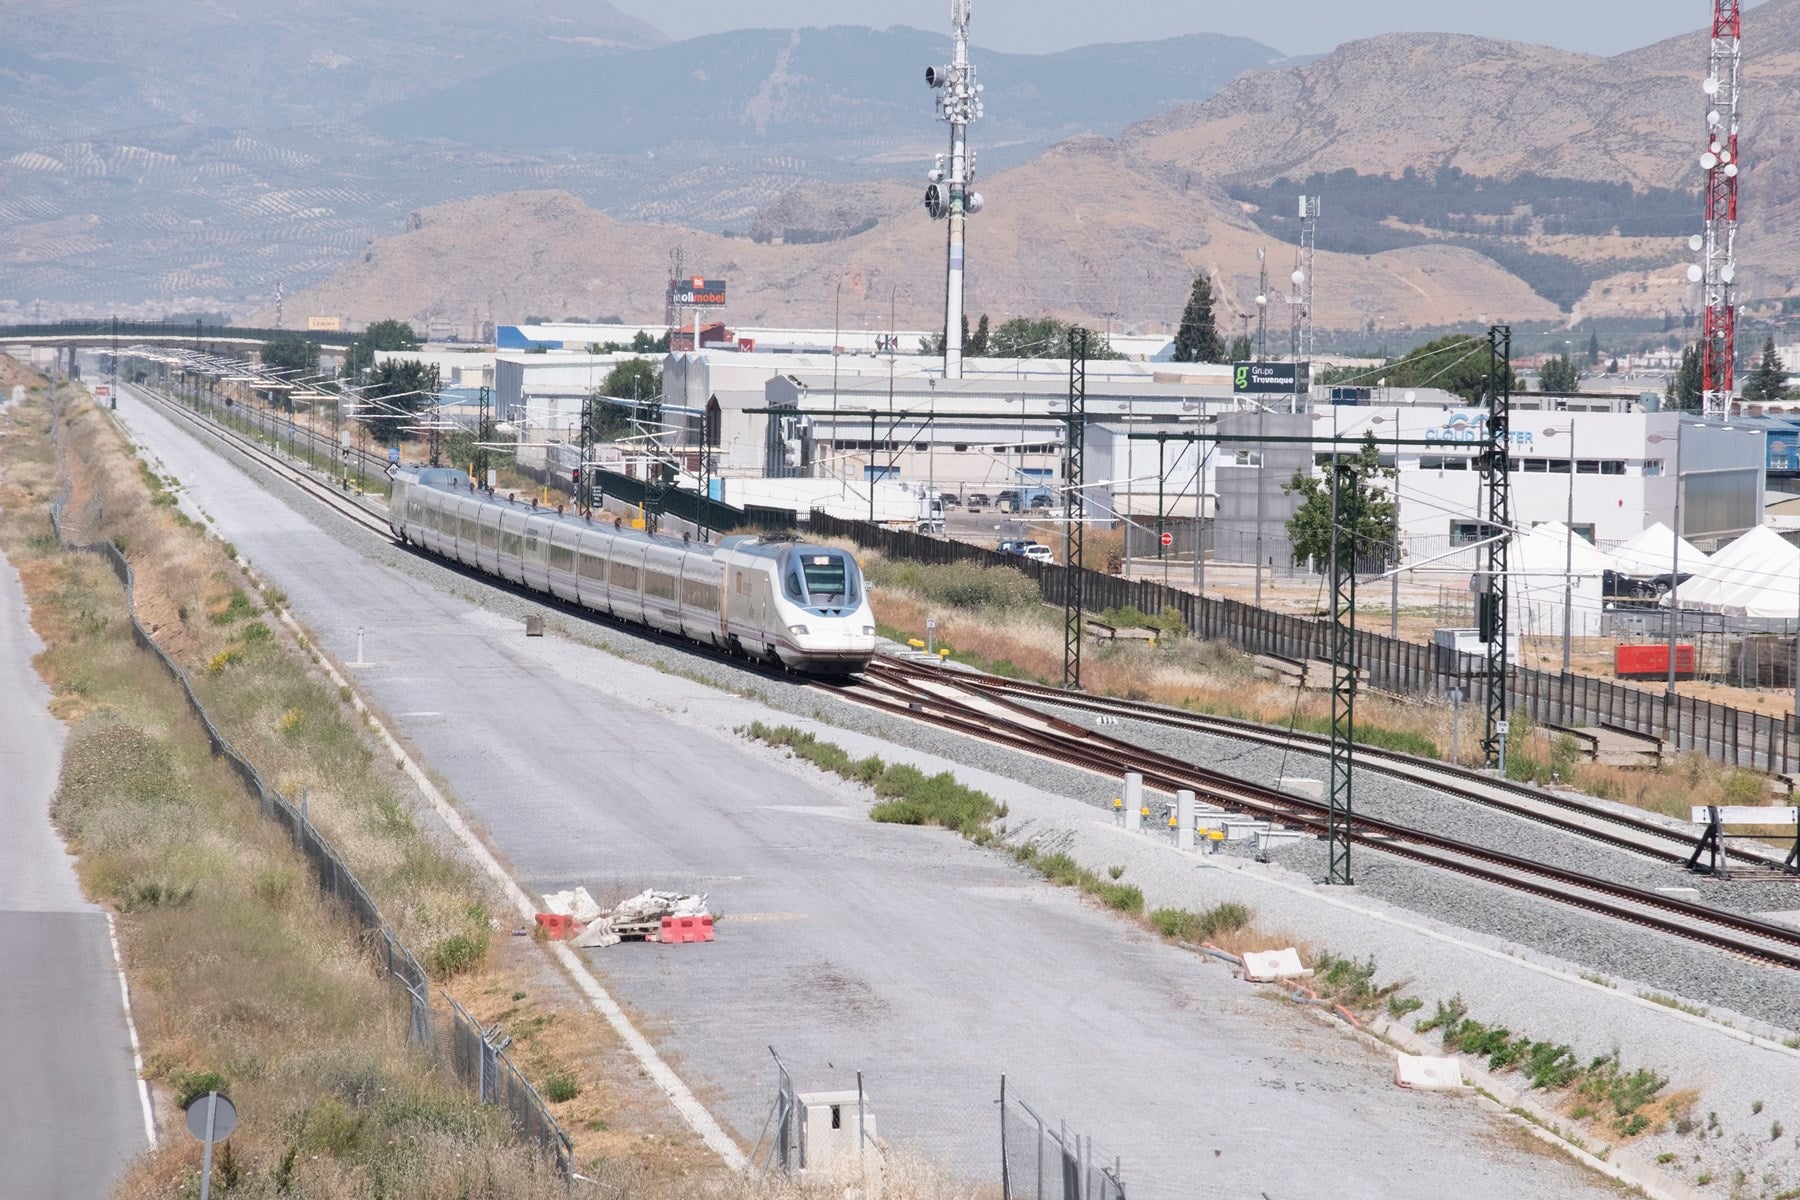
(1299, 277)
(1710, 87)
(975, 203)
(1695, 242)
(1694, 273)
(1728, 272)
(1708, 161)
(1712, 118)
(1262, 299)
(1731, 171)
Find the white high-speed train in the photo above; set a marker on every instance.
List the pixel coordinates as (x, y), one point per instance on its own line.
(780, 601)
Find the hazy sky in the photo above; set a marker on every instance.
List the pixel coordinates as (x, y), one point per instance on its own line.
(1295, 26)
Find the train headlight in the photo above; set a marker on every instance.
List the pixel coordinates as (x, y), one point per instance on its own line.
(799, 630)
(868, 631)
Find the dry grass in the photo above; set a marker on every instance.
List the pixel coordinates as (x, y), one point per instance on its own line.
(1211, 677)
(236, 967)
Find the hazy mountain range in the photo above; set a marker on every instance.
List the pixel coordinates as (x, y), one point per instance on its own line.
(1464, 179)
(158, 155)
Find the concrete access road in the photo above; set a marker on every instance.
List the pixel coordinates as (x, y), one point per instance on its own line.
(71, 1113)
(926, 963)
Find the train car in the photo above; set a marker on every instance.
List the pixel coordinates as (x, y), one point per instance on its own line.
(777, 600)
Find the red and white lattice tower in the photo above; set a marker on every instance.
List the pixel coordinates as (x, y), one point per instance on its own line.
(1717, 269)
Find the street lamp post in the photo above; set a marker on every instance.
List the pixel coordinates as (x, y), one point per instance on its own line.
(1569, 540)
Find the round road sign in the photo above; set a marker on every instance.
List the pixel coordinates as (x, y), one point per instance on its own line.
(224, 1117)
(1168, 539)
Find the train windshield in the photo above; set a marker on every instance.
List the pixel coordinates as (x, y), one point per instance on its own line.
(830, 580)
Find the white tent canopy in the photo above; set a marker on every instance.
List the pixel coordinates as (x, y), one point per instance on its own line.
(1652, 552)
(1536, 561)
(1758, 575)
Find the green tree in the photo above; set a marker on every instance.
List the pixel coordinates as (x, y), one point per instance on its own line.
(1559, 374)
(382, 335)
(643, 343)
(1594, 349)
(397, 391)
(977, 346)
(1365, 510)
(1768, 378)
(291, 354)
(1240, 350)
(1684, 390)
(1457, 363)
(633, 379)
(1197, 340)
(1042, 337)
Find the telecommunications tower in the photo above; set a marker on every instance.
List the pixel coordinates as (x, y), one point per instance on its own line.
(1309, 245)
(949, 195)
(1716, 272)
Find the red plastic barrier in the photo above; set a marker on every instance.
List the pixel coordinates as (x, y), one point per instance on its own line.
(1651, 661)
(687, 929)
(558, 926)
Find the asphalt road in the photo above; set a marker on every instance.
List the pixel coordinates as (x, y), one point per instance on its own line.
(70, 1115)
(926, 963)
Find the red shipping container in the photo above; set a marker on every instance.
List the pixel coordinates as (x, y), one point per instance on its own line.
(1652, 661)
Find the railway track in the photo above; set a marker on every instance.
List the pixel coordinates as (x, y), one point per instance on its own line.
(1593, 821)
(950, 702)
(987, 708)
(342, 504)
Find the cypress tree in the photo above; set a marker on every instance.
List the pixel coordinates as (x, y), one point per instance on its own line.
(1198, 338)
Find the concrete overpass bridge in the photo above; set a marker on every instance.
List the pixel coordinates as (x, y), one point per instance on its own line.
(71, 337)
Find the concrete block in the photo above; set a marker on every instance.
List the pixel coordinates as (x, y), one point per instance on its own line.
(1305, 787)
(1271, 966)
(1428, 1073)
(1134, 800)
(1268, 838)
(1680, 893)
(1184, 820)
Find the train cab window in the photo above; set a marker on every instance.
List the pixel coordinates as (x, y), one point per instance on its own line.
(791, 584)
(828, 580)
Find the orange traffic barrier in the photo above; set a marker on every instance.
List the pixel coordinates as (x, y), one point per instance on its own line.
(687, 929)
(558, 926)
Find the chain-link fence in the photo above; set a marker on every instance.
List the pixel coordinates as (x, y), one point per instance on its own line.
(1041, 1160)
(448, 1033)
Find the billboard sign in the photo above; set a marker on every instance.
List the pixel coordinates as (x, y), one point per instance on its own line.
(1267, 377)
(325, 324)
(695, 292)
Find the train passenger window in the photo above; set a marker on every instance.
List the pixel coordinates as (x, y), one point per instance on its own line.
(562, 557)
(624, 574)
(490, 536)
(593, 567)
(509, 542)
(469, 532)
(659, 584)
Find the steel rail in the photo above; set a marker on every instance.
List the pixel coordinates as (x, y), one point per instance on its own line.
(1397, 764)
(1075, 746)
